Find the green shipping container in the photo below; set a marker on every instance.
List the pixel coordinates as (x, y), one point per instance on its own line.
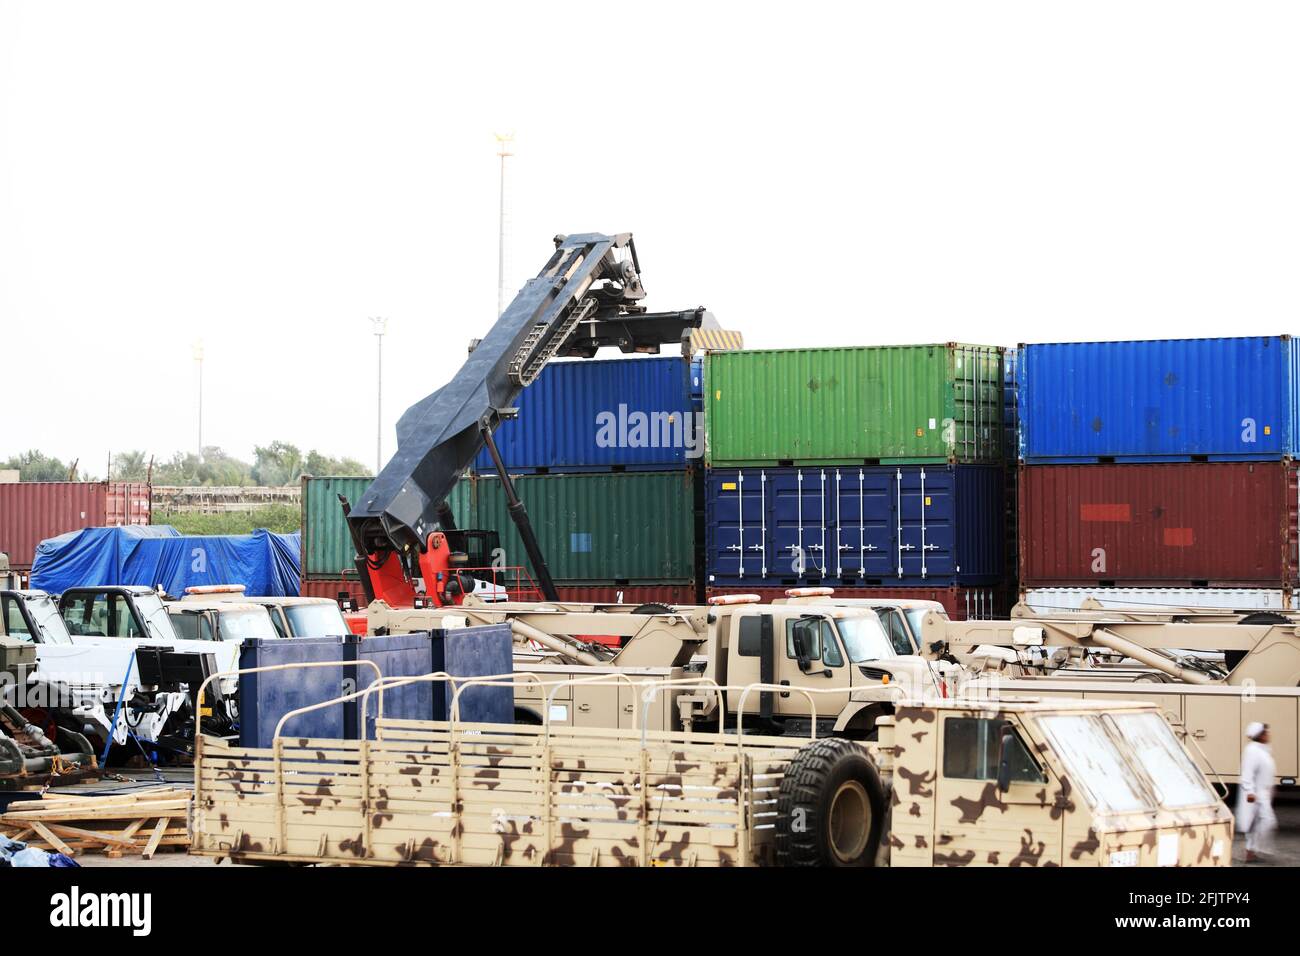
(622, 528)
(326, 545)
(893, 404)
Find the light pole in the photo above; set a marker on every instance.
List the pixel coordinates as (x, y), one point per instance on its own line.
(380, 326)
(198, 357)
(503, 150)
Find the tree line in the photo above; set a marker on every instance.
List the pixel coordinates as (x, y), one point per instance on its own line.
(279, 463)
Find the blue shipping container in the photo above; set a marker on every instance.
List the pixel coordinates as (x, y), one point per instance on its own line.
(899, 526)
(1164, 400)
(596, 415)
(1010, 398)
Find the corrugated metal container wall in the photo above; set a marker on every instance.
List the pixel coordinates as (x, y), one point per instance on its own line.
(330, 588)
(1199, 524)
(591, 415)
(1180, 399)
(1047, 600)
(580, 593)
(31, 511)
(626, 528)
(909, 525)
(1010, 400)
(327, 549)
(962, 604)
(885, 404)
(627, 594)
(128, 503)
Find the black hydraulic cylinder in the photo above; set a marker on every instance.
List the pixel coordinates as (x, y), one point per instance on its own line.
(361, 561)
(446, 517)
(519, 515)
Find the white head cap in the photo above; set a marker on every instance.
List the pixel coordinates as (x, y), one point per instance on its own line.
(1254, 729)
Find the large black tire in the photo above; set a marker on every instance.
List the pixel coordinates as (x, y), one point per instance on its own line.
(652, 609)
(830, 807)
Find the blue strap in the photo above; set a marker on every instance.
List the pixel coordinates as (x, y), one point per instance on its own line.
(130, 666)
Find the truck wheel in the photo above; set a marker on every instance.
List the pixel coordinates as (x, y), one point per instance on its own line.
(830, 807)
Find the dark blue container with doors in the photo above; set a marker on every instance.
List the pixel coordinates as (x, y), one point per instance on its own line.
(462, 652)
(878, 526)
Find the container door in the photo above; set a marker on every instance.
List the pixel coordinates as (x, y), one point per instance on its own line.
(738, 526)
(924, 546)
(802, 506)
(976, 824)
(864, 520)
(1214, 723)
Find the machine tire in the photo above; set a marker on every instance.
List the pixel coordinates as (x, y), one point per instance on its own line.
(652, 609)
(830, 807)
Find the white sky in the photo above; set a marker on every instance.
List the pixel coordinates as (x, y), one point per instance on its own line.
(265, 175)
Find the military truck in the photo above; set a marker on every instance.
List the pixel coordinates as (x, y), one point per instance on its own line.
(205, 619)
(842, 655)
(1208, 703)
(292, 616)
(948, 783)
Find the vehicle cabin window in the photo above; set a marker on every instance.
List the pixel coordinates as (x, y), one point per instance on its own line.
(818, 640)
(15, 623)
(896, 628)
(749, 641)
(972, 746)
(101, 615)
(277, 619)
(193, 626)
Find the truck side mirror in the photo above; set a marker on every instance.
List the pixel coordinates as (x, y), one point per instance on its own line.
(799, 638)
(1004, 760)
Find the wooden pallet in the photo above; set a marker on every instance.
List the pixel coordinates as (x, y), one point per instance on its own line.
(142, 821)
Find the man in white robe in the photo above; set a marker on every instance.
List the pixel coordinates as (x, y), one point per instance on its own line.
(1255, 816)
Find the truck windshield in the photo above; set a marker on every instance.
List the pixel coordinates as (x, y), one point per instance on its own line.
(238, 625)
(155, 617)
(1161, 758)
(1095, 763)
(316, 620)
(45, 614)
(864, 638)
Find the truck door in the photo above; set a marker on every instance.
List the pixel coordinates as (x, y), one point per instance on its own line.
(975, 824)
(809, 654)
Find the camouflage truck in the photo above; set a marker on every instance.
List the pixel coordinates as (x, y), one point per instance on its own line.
(1209, 698)
(948, 783)
(852, 669)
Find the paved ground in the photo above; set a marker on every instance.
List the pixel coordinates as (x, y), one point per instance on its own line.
(1286, 842)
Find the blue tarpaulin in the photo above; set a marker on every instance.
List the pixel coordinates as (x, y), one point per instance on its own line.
(265, 563)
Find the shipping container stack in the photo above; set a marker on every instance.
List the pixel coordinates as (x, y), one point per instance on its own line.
(31, 511)
(602, 454)
(1162, 469)
(880, 471)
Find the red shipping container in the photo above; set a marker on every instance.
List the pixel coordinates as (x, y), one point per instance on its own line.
(331, 588)
(639, 594)
(31, 511)
(649, 594)
(1197, 524)
(962, 604)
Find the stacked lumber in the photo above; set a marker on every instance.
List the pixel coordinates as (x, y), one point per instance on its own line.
(138, 821)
